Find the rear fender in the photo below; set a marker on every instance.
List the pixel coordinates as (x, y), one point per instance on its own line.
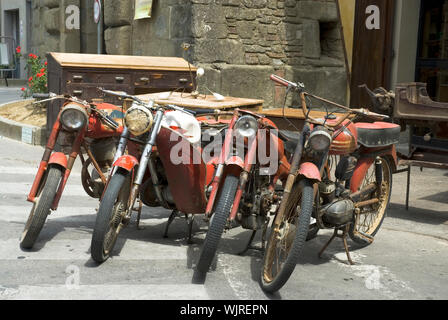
(309, 170)
(126, 162)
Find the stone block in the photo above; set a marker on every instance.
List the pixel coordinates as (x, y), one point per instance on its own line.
(221, 50)
(258, 4)
(318, 10)
(311, 39)
(51, 3)
(248, 82)
(52, 20)
(117, 13)
(118, 40)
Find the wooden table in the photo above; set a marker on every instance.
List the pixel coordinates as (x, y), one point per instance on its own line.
(205, 101)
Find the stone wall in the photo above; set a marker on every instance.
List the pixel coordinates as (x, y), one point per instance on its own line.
(238, 42)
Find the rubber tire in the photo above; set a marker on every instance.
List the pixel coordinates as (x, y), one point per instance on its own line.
(298, 243)
(104, 215)
(360, 241)
(216, 229)
(42, 209)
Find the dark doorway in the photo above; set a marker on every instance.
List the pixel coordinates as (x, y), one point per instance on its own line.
(432, 56)
(12, 29)
(372, 50)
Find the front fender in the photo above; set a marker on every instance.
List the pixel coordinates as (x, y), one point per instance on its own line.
(58, 158)
(235, 160)
(126, 162)
(310, 171)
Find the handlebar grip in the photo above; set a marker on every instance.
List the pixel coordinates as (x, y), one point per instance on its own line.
(41, 95)
(205, 111)
(280, 80)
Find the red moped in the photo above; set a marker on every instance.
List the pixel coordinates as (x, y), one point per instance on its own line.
(81, 127)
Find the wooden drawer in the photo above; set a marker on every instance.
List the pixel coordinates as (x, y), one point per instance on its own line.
(89, 92)
(97, 78)
(163, 80)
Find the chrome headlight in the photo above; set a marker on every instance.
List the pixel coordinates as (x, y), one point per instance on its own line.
(73, 117)
(246, 126)
(138, 120)
(320, 139)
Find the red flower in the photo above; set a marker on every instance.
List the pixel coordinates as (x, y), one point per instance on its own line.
(39, 75)
(23, 89)
(30, 79)
(46, 63)
(18, 49)
(32, 56)
(42, 70)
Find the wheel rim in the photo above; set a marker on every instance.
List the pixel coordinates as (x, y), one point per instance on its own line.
(370, 217)
(281, 238)
(114, 224)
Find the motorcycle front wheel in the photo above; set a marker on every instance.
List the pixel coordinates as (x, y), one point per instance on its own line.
(287, 239)
(216, 229)
(109, 217)
(370, 219)
(41, 208)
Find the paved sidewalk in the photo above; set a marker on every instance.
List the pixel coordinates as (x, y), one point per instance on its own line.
(8, 94)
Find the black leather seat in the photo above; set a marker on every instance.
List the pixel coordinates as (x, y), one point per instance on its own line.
(378, 134)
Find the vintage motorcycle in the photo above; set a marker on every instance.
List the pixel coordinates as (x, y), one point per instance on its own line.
(244, 190)
(156, 135)
(341, 177)
(81, 127)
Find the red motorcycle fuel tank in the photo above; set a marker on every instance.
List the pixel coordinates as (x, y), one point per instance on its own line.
(97, 129)
(345, 138)
(186, 180)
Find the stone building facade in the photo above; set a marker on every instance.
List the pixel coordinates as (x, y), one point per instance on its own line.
(238, 42)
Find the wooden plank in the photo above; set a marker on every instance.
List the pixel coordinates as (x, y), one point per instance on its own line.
(121, 62)
(203, 101)
(291, 113)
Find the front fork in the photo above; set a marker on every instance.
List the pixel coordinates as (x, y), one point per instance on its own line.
(138, 179)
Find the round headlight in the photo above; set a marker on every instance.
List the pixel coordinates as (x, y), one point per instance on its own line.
(320, 139)
(246, 126)
(138, 120)
(73, 117)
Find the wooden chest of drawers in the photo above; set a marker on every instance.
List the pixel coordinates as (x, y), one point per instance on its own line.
(80, 75)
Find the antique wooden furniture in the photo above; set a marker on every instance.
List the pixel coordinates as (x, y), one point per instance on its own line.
(81, 74)
(428, 122)
(186, 100)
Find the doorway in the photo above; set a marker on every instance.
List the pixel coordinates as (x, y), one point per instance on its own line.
(12, 29)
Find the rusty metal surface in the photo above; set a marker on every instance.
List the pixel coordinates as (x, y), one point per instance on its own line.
(413, 102)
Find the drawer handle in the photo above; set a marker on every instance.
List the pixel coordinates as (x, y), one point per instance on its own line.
(77, 92)
(183, 80)
(78, 78)
(144, 79)
(119, 79)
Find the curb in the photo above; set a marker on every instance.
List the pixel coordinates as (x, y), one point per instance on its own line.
(25, 133)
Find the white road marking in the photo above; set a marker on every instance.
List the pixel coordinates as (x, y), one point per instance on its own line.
(8, 188)
(31, 170)
(106, 292)
(70, 249)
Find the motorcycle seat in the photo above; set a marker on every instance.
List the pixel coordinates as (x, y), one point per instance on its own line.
(378, 134)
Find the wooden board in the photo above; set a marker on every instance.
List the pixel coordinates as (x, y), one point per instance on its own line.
(291, 113)
(121, 62)
(204, 102)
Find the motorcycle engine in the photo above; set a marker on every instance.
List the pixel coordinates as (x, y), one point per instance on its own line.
(338, 213)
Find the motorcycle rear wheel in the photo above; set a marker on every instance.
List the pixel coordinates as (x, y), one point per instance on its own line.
(371, 218)
(216, 229)
(287, 239)
(109, 217)
(41, 208)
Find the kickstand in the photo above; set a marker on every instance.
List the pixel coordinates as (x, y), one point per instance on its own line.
(139, 214)
(170, 220)
(190, 221)
(343, 236)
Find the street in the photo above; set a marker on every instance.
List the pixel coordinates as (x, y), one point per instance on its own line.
(408, 259)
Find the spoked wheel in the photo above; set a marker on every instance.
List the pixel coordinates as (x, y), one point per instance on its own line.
(287, 239)
(216, 229)
(369, 220)
(109, 217)
(41, 208)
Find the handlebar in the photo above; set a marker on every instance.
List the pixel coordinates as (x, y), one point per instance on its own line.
(300, 86)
